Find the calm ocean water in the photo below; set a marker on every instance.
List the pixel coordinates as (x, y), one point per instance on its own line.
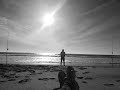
(55, 60)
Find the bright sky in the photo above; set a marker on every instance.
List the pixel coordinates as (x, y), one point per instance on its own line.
(80, 26)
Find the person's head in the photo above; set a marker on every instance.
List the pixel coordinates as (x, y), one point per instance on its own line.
(70, 73)
(62, 50)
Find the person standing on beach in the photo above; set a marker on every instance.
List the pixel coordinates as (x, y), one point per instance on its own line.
(62, 54)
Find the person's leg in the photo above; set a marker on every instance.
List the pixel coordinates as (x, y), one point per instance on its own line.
(64, 61)
(61, 85)
(61, 61)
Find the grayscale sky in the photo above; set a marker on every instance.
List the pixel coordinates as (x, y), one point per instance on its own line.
(81, 26)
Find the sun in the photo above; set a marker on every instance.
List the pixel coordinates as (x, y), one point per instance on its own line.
(48, 19)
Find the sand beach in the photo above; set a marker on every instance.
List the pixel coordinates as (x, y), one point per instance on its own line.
(45, 77)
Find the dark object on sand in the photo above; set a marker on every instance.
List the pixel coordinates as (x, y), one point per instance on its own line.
(17, 76)
(70, 83)
(82, 68)
(61, 77)
(84, 82)
(24, 80)
(88, 78)
(52, 78)
(117, 80)
(3, 81)
(85, 72)
(45, 79)
(12, 79)
(110, 85)
(80, 77)
(8, 76)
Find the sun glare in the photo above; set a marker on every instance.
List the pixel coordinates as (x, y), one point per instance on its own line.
(48, 19)
(47, 53)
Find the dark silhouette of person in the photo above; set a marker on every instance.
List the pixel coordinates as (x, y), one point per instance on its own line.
(61, 77)
(69, 81)
(62, 54)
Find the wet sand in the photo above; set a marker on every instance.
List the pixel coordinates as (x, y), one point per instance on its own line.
(44, 77)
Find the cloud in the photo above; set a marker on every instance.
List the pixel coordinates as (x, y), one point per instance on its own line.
(79, 25)
(98, 8)
(89, 30)
(17, 31)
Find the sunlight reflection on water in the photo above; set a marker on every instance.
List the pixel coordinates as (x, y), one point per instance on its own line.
(47, 60)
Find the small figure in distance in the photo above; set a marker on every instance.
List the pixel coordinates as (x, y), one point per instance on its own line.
(70, 82)
(62, 54)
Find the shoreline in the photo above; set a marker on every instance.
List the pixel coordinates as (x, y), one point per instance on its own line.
(109, 65)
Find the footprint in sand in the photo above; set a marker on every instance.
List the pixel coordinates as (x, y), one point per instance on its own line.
(118, 81)
(88, 78)
(2, 81)
(17, 76)
(85, 72)
(82, 68)
(84, 82)
(80, 77)
(24, 80)
(45, 79)
(12, 79)
(109, 85)
(52, 78)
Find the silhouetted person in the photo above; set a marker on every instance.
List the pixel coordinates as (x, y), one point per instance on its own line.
(69, 81)
(62, 54)
(61, 77)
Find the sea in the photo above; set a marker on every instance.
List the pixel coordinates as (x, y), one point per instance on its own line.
(71, 59)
